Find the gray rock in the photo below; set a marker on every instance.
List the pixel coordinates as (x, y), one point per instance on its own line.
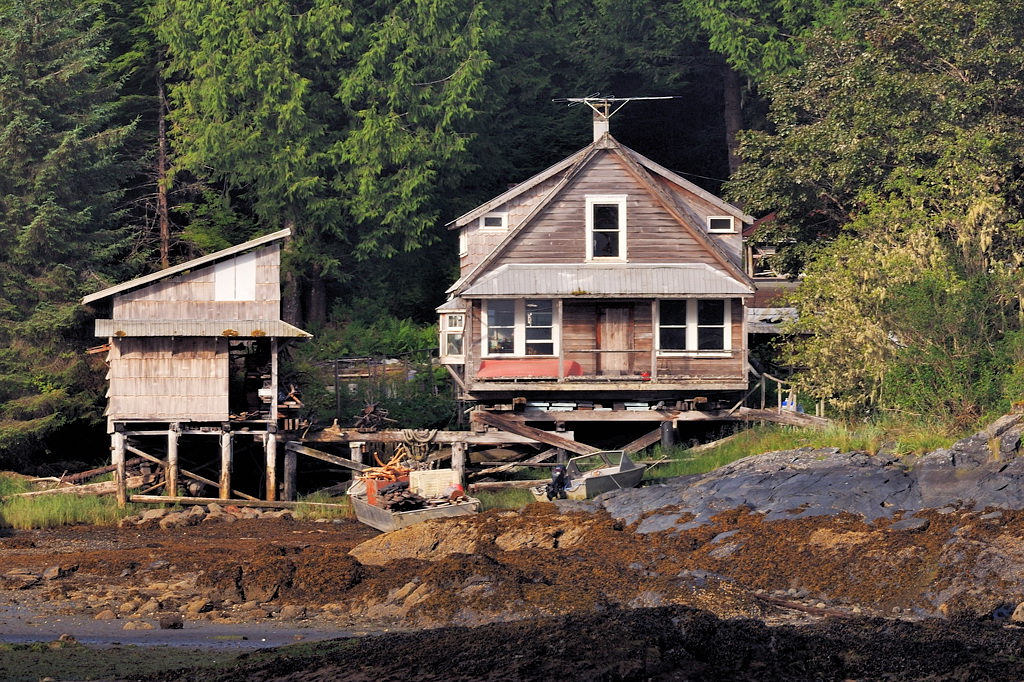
(912, 525)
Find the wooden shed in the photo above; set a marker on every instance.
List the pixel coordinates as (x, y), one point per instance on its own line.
(193, 351)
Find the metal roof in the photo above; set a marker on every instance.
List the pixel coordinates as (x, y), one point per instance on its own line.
(627, 280)
(182, 328)
(190, 265)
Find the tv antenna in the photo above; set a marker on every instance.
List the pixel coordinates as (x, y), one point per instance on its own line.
(604, 107)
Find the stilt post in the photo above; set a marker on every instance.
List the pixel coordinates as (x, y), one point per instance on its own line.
(225, 463)
(270, 445)
(290, 461)
(171, 474)
(117, 440)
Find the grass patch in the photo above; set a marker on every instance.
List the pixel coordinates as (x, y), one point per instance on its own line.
(899, 439)
(309, 507)
(49, 511)
(509, 498)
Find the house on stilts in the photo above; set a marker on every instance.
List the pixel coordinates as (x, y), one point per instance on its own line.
(193, 357)
(605, 288)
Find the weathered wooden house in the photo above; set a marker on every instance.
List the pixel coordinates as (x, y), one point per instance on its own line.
(604, 280)
(193, 352)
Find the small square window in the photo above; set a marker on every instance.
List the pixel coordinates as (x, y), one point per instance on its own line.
(456, 321)
(721, 224)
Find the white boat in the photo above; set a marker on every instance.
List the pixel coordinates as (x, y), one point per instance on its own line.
(588, 476)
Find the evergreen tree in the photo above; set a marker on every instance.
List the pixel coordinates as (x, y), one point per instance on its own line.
(61, 165)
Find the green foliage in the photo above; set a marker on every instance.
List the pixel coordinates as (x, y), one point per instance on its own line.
(893, 173)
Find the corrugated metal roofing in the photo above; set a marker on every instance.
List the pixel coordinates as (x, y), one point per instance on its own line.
(190, 265)
(630, 280)
(230, 328)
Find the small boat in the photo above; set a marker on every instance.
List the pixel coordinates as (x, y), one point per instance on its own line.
(588, 476)
(432, 485)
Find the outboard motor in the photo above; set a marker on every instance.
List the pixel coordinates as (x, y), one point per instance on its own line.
(559, 483)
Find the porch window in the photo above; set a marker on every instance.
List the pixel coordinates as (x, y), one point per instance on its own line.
(453, 326)
(520, 327)
(606, 227)
(688, 325)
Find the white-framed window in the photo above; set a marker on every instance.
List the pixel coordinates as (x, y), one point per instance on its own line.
(463, 242)
(453, 329)
(494, 222)
(721, 223)
(694, 325)
(606, 227)
(519, 327)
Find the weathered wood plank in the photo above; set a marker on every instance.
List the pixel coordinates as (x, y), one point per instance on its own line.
(504, 423)
(642, 442)
(324, 456)
(278, 504)
(507, 466)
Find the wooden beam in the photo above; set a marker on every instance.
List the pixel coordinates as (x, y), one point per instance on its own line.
(782, 417)
(271, 455)
(398, 436)
(569, 416)
(269, 504)
(294, 446)
(503, 422)
(642, 442)
(498, 485)
(507, 466)
(120, 444)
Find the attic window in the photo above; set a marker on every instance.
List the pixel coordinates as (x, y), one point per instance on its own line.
(606, 227)
(721, 224)
(494, 221)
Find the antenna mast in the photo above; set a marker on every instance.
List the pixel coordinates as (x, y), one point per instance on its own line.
(604, 107)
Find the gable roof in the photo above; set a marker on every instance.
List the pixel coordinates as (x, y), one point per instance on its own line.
(193, 264)
(641, 168)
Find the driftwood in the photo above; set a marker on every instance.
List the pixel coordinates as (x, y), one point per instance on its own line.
(104, 488)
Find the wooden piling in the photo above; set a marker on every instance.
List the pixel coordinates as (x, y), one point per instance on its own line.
(270, 446)
(225, 465)
(117, 457)
(290, 462)
(171, 486)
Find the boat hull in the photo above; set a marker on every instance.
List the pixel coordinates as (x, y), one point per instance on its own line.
(387, 521)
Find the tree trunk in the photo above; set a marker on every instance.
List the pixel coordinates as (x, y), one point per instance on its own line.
(316, 297)
(291, 296)
(162, 212)
(733, 112)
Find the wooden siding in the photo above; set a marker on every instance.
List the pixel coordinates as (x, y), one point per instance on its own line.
(480, 242)
(168, 379)
(190, 296)
(731, 243)
(558, 233)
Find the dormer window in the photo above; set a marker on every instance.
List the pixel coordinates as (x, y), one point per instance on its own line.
(606, 227)
(721, 223)
(494, 222)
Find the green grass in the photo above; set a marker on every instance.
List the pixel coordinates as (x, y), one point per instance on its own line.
(309, 509)
(898, 439)
(510, 498)
(49, 511)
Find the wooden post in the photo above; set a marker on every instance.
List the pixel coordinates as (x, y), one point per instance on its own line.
(459, 460)
(270, 444)
(171, 475)
(356, 451)
(225, 465)
(668, 435)
(290, 462)
(117, 459)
